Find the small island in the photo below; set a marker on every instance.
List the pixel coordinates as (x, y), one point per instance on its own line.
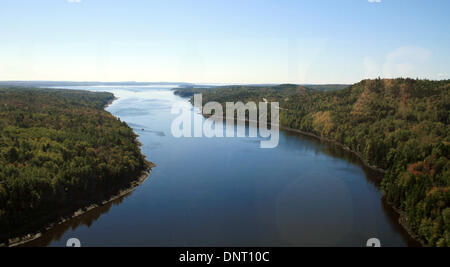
(61, 154)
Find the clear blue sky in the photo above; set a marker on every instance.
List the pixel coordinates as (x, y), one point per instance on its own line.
(224, 41)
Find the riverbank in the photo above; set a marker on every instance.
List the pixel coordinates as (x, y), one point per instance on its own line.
(110, 102)
(324, 139)
(18, 241)
(346, 148)
(71, 211)
(402, 221)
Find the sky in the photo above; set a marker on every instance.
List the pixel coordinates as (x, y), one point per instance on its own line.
(224, 41)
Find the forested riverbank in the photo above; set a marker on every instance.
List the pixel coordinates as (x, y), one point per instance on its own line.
(60, 151)
(401, 126)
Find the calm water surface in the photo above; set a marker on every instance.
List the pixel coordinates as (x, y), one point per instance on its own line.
(230, 192)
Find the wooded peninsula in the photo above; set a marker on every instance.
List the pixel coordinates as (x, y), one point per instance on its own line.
(60, 151)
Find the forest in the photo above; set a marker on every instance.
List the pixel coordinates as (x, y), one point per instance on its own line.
(398, 125)
(60, 151)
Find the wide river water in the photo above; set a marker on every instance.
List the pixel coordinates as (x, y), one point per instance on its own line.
(230, 192)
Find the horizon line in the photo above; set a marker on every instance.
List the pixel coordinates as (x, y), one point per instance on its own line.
(206, 83)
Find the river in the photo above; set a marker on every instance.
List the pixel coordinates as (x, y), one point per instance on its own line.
(230, 192)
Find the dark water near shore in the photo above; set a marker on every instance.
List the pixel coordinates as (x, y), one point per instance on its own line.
(230, 192)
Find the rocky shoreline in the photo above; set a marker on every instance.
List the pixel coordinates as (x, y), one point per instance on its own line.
(110, 102)
(18, 241)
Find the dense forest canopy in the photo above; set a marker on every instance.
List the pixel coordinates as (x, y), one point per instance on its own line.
(399, 125)
(59, 151)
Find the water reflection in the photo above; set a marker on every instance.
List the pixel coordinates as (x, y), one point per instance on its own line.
(310, 143)
(86, 219)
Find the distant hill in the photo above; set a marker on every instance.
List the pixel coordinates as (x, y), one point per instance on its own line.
(190, 90)
(399, 125)
(250, 92)
(69, 83)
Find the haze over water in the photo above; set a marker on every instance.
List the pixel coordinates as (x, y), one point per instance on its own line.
(230, 192)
